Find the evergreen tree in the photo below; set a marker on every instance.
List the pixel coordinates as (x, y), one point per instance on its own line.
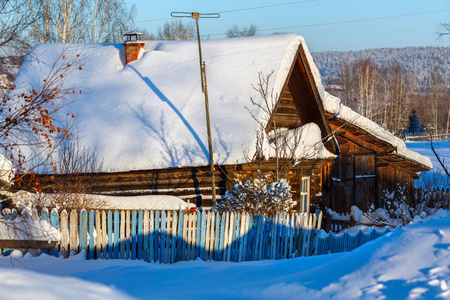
(414, 125)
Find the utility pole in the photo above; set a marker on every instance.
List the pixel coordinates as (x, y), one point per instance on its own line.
(196, 16)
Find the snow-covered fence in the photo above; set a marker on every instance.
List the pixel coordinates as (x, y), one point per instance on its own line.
(440, 198)
(171, 236)
(344, 242)
(436, 137)
(335, 222)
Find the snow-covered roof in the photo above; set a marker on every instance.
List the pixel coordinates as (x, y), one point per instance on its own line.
(150, 113)
(334, 106)
(7, 171)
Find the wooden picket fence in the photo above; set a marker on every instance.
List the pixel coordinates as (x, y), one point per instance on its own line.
(440, 197)
(345, 241)
(171, 236)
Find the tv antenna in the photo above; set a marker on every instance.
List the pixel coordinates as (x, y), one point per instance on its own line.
(196, 16)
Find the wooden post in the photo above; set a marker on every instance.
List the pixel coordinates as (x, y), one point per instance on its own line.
(73, 231)
(328, 221)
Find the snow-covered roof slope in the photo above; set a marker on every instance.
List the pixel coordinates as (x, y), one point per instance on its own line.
(7, 171)
(150, 113)
(305, 142)
(334, 106)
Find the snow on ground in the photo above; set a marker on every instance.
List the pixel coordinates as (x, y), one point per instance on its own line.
(155, 202)
(424, 148)
(410, 263)
(433, 179)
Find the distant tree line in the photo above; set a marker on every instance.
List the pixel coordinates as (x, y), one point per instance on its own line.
(417, 60)
(177, 30)
(24, 23)
(389, 95)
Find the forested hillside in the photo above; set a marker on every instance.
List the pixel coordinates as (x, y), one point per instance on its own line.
(417, 60)
(406, 90)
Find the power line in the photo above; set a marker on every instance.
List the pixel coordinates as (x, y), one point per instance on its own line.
(348, 21)
(265, 6)
(154, 20)
(237, 10)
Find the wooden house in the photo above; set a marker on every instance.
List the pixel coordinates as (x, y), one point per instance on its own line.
(143, 109)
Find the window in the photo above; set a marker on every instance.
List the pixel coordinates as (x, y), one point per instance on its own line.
(304, 195)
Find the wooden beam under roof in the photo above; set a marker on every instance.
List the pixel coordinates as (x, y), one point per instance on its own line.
(360, 134)
(404, 163)
(383, 150)
(360, 141)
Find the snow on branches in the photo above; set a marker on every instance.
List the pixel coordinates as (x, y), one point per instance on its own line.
(398, 211)
(32, 114)
(258, 197)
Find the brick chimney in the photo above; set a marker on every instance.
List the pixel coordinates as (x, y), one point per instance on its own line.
(132, 45)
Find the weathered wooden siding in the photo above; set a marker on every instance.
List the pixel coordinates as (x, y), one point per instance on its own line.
(190, 183)
(317, 170)
(353, 178)
(389, 177)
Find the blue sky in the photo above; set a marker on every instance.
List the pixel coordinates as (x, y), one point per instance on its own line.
(415, 30)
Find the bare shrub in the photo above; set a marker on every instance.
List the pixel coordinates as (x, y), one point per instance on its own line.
(73, 186)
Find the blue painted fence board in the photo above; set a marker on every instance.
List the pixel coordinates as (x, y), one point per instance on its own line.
(83, 230)
(116, 234)
(110, 234)
(198, 237)
(163, 237)
(140, 244)
(44, 217)
(180, 236)
(174, 238)
(203, 236)
(133, 235)
(91, 235)
(156, 236)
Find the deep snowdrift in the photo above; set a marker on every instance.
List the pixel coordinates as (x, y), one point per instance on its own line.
(412, 262)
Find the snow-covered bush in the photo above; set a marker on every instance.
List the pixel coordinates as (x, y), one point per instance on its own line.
(398, 211)
(258, 197)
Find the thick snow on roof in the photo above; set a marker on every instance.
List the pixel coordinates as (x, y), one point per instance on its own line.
(7, 171)
(333, 105)
(150, 113)
(305, 142)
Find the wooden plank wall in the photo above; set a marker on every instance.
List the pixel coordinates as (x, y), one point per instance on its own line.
(317, 170)
(389, 176)
(193, 184)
